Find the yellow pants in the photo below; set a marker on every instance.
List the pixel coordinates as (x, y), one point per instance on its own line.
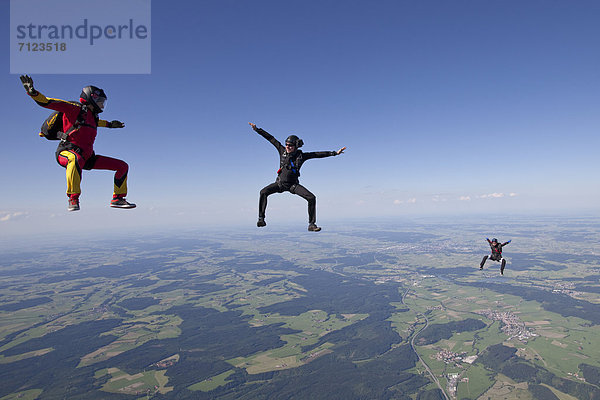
(74, 163)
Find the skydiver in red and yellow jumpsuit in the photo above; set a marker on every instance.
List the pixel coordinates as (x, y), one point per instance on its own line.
(76, 151)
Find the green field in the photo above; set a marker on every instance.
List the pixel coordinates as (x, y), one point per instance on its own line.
(478, 380)
(259, 289)
(312, 324)
(211, 383)
(121, 382)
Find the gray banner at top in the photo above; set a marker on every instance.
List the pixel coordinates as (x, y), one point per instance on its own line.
(80, 37)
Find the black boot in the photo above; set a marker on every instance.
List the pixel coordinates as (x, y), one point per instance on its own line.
(261, 222)
(313, 228)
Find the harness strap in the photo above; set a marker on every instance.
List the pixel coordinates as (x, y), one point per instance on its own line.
(78, 124)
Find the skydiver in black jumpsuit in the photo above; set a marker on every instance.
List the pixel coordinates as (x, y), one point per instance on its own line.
(496, 254)
(290, 161)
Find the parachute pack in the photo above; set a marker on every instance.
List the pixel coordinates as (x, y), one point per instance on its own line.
(52, 128)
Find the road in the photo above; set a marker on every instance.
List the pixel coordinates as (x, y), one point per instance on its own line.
(412, 345)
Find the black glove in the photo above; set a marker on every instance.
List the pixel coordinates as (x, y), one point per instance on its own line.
(116, 124)
(28, 85)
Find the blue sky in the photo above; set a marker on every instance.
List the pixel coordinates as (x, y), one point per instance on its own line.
(446, 107)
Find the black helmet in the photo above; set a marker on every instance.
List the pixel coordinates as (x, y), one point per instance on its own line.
(94, 96)
(295, 140)
(494, 240)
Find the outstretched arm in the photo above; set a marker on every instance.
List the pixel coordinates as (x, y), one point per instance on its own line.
(53, 104)
(504, 244)
(488, 240)
(110, 124)
(268, 136)
(322, 154)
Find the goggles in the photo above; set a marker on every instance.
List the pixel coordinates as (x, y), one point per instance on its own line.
(99, 100)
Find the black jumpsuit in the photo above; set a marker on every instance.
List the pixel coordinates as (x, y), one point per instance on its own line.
(496, 254)
(288, 174)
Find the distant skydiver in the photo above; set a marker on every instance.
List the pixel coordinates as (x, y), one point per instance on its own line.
(496, 254)
(76, 148)
(290, 162)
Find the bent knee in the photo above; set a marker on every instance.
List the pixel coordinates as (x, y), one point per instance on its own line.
(122, 168)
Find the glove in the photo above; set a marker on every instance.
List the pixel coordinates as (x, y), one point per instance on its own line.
(28, 85)
(116, 124)
(508, 241)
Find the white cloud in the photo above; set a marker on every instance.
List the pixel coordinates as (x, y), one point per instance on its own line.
(465, 198)
(512, 194)
(492, 196)
(7, 216)
(412, 200)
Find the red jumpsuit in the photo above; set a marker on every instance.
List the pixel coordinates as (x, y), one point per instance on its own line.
(77, 152)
